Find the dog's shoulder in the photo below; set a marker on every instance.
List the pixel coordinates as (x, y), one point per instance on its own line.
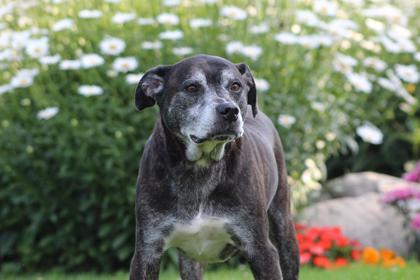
(260, 127)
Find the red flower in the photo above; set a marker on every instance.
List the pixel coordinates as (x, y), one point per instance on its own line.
(317, 250)
(339, 262)
(305, 246)
(305, 258)
(322, 262)
(326, 244)
(355, 255)
(316, 243)
(342, 241)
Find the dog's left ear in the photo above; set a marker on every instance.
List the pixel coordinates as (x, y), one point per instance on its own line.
(252, 93)
(150, 86)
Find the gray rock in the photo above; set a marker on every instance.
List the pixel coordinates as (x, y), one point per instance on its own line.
(364, 218)
(357, 184)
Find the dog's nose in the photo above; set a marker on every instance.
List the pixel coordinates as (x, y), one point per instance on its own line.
(228, 110)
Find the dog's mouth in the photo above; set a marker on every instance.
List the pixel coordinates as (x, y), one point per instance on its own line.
(214, 137)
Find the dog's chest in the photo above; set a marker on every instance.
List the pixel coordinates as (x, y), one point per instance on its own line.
(204, 238)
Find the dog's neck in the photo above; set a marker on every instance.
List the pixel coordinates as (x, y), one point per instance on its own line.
(203, 155)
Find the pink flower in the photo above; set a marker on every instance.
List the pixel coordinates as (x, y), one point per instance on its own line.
(399, 194)
(413, 175)
(415, 222)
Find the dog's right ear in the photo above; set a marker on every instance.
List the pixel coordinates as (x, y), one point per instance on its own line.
(150, 86)
(252, 92)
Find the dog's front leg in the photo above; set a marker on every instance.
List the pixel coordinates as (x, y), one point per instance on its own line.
(189, 269)
(145, 263)
(264, 260)
(254, 241)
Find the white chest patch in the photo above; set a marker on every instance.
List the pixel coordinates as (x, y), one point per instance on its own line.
(203, 239)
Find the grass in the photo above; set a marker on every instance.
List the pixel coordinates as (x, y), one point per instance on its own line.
(353, 272)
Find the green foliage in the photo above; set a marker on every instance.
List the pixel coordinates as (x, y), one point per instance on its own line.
(67, 183)
(352, 272)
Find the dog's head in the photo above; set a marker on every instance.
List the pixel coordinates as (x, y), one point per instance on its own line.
(201, 99)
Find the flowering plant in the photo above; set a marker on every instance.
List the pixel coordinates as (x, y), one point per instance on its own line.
(407, 200)
(326, 247)
(386, 257)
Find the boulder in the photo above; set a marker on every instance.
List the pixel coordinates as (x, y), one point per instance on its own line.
(364, 218)
(357, 184)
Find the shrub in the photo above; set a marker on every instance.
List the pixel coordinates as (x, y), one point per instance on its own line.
(70, 138)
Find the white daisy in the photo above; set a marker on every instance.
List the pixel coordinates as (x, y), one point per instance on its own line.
(155, 45)
(120, 18)
(252, 51)
(325, 7)
(261, 84)
(286, 38)
(408, 73)
(200, 22)
(133, 78)
(307, 17)
(112, 46)
(343, 63)
(309, 41)
(6, 8)
(398, 32)
(19, 40)
(125, 64)
(47, 113)
(286, 120)
(375, 25)
(399, 88)
(63, 24)
(360, 82)
(145, 21)
(233, 47)
(343, 24)
(389, 12)
(91, 60)
(70, 65)
(23, 79)
(387, 84)
(208, 1)
(355, 2)
(233, 12)
(182, 51)
(259, 29)
(37, 48)
(171, 3)
(318, 106)
(167, 18)
(171, 35)
(88, 14)
(389, 44)
(370, 133)
(48, 60)
(375, 63)
(90, 90)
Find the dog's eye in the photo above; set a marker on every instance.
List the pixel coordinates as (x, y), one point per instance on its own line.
(235, 87)
(191, 88)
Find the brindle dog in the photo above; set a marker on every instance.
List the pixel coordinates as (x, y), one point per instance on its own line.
(212, 179)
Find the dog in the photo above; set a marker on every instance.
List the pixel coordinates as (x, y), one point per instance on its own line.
(212, 180)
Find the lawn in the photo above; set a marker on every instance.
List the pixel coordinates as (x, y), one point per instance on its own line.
(353, 272)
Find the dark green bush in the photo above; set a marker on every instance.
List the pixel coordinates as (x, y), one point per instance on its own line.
(67, 184)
